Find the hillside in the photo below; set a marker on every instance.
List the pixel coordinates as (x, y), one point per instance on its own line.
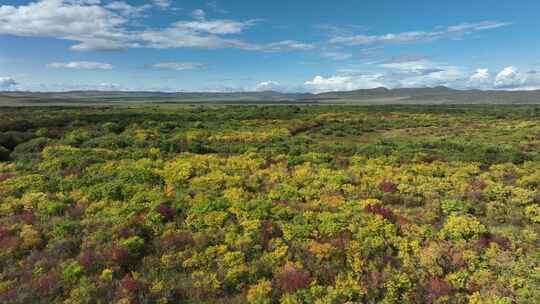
(435, 95)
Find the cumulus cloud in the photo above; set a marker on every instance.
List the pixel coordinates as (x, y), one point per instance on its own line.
(95, 27)
(425, 73)
(508, 77)
(511, 78)
(89, 24)
(7, 83)
(343, 83)
(81, 65)
(481, 79)
(269, 86)
(392, 74)
(455, 31)
(179, 66)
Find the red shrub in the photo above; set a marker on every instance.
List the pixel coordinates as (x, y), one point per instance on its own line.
(342, 240)
(269, 163)
(477, 185)
(9, 241)
(120, 255)
(87, 259)
(130, 284)
(47, 283)
(388, 187)
(375, 279)
(281, 203)
(485, 240)
(176, 241)
(125, 232)
(437, 288)
(166, 212)
(293, 278)
(76, 211)
(4, 232)
(6, 176)
(269, 230)
(26, 216)
(380, 210)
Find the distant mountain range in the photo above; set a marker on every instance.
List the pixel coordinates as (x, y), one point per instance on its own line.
(435, 95)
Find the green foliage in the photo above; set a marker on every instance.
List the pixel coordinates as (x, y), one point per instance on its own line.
(462, 227)
(270, 204)
(134, 245)
(72, 272)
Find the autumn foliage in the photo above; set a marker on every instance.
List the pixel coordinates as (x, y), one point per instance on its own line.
(270, 204)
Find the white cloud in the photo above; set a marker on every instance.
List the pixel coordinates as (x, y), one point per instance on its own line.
(425, 73)
(198, 14)
(162, 4)
(481, 79)
(394, 74)
(213, 5)
(126, 9)
(336, 55)
(343, 83)
(84, 65)
(219, 27)
(96, 27)
(422, 73)
(268, 86)
(510, 78)
(455, 31)
(85, 22)
(286, 45)
(179, 66)
(7, 83)
(63, 87)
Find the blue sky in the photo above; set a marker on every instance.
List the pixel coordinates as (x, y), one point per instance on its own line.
(291, 46)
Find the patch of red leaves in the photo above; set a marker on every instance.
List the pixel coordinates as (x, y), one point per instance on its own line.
(478, 185)
(293, 278)
(281, 202)
(486, 240)
(176, 241)
(388, 187)
(130, 284)
(437, 288)
(87, 259)
(166, 212)
(380, 210)
(6, 176)
(48, 282)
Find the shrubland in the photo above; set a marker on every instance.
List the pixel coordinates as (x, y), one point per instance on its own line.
(275, 204)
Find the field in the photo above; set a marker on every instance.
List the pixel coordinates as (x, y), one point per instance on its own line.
(270, 204)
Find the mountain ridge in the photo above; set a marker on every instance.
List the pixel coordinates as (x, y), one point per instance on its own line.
(380, 95)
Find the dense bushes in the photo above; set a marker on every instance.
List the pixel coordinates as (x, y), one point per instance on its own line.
(270, 205)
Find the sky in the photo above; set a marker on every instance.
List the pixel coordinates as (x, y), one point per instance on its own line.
(287, 46)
